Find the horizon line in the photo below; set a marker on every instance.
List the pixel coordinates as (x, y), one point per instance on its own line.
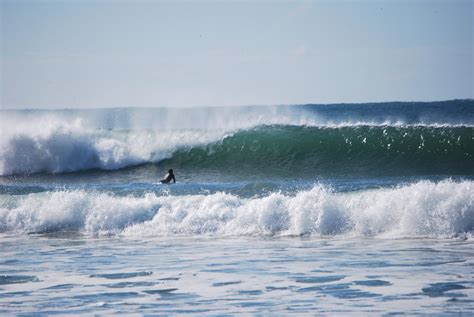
(237, 106)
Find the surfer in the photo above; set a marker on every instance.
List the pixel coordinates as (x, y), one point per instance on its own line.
(169, 177)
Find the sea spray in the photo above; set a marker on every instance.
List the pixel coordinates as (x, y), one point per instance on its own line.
(396, 138)
(278, 150)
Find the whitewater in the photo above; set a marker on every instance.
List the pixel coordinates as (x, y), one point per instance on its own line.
(423, 209)
(285, 210)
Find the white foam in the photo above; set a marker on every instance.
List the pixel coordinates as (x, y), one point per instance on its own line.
(423, 209)
(67, 147)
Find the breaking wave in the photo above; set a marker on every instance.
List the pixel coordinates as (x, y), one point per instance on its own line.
(387, 139)
(423, 209)
(274, 150)
(59, 149)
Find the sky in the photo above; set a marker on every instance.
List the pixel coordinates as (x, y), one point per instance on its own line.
(104, 53)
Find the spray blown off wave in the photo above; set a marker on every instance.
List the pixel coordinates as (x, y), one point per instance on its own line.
(314, 139)
(423, 209)
(279, 150)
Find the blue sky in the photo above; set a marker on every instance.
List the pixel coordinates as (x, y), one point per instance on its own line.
(84, 53)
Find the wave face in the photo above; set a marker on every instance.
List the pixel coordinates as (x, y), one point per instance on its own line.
(366, 139)
(422, 209)
(346, 151)
(284, 151)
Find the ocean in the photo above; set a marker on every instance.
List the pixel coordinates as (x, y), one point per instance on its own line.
(363, 209)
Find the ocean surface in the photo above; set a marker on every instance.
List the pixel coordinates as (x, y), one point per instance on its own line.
(364, 209)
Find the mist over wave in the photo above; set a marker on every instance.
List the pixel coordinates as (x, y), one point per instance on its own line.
(57, 141)
(422, 209)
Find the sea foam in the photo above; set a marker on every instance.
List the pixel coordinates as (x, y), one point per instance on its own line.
(58, 147)
(422, 209)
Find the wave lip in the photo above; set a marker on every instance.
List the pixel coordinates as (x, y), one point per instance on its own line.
(423, 209)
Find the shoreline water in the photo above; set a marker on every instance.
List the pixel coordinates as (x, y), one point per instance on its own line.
(189, 275)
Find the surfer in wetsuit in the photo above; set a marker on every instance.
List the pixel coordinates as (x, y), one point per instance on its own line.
(168, 177)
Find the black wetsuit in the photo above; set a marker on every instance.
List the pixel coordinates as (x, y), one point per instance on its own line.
(168, 178)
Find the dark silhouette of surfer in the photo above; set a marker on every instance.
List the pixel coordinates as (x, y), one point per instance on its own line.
(169, 177)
